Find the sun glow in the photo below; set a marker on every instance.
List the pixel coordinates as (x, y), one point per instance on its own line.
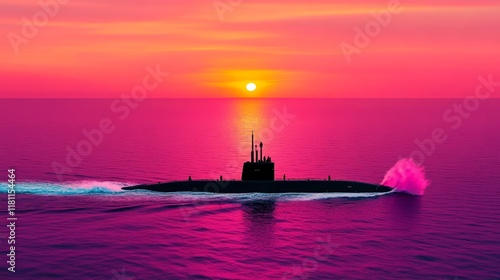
(251, 87)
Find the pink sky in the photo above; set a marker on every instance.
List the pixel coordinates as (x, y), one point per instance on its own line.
(289, 48)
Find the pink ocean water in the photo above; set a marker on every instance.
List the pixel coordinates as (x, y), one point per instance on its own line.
(84, 227)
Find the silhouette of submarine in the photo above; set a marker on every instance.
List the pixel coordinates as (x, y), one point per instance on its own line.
(258, 177)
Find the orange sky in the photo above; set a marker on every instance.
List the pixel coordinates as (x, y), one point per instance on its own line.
(289, 48)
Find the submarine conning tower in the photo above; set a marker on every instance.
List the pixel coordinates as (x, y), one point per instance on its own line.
(258, 169)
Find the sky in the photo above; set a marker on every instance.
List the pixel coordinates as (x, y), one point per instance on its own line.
(213, 48)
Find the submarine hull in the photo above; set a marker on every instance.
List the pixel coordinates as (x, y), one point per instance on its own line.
(311, 186)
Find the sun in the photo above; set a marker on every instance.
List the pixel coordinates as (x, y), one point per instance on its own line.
(251, 87)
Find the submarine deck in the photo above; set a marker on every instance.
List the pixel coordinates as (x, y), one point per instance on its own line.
(289, 186)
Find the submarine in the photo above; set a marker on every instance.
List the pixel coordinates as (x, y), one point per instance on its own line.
(258, 177)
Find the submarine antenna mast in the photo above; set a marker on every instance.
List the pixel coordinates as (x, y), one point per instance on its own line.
(252, 148)
(261, 145)
(256, 154)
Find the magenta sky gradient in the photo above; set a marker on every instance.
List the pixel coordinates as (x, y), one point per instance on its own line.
(289, 48)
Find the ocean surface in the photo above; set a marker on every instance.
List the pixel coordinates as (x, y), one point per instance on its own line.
(72, 156)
